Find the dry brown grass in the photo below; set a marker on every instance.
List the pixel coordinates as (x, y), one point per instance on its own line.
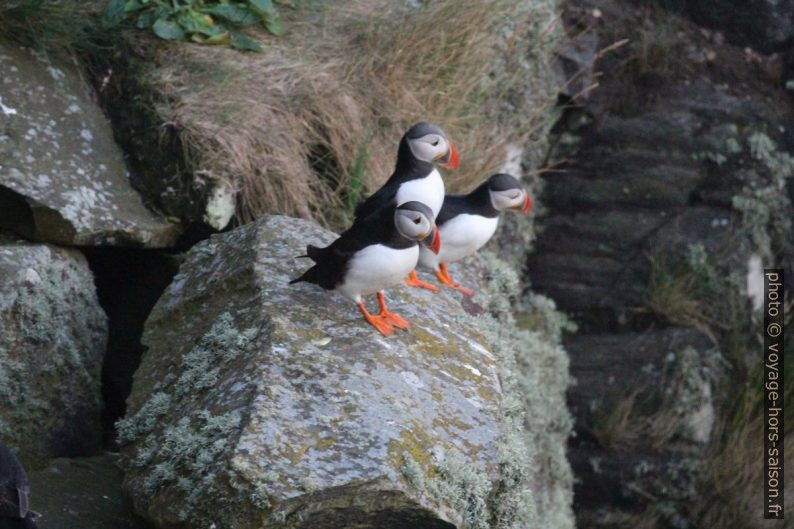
(297, 129)
(659, 421)
(619, 428)
(732, 483)
(695, 292)
(671, 295)
(626, 427)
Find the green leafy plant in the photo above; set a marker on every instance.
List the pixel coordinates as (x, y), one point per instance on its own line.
(355, 186)
(201, 21)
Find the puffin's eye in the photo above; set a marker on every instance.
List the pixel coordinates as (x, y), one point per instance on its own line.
(417, 220)
(435, 143)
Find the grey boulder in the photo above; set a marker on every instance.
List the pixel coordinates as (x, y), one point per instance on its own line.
(51, 346)
(62, 177)
(260, 404)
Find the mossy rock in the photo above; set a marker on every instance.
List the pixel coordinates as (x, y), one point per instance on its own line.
(260, 404)
(51, 346)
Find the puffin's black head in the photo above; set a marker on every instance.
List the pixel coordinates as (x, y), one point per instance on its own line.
(506, 193)
(415, 221)
(428, 143)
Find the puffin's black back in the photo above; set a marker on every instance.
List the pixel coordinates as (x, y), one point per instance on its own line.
(408, 168)
(478, 202)
(14, 493)
(333, 260)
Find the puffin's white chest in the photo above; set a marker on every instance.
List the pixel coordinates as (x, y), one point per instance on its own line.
(377, 267)
(460, 237)
(428, 190)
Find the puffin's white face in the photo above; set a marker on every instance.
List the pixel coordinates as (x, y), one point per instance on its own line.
(507, 199)
(413, 224)
(430, 147)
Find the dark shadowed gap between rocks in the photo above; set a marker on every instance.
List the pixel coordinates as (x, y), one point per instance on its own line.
(129, 281)
(159, 162)
(16, 214)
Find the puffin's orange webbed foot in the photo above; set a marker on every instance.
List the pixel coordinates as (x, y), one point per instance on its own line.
(376, 321)
(390, 317)
(444, 277)
(414, 281)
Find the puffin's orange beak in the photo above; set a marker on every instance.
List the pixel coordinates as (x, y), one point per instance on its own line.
(450, 161)
(526, 207)
(435, 245)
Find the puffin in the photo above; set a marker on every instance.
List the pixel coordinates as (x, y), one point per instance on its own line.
(376, 252)
(467, 222)
(14, 493)
(415, 178)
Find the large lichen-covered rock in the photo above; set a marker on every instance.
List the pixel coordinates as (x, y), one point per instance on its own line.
(62, 178)
(260, 404)
(51, 346)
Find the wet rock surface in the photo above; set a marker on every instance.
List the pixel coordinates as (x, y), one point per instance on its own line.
(262, 404)
(51, 346)
(71, 493)
(62, 177)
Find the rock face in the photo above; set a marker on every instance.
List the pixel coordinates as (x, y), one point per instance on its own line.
(260, 404)
(768, 29)
(62, 177)
(51, 347)
(635, 189)
(674, 183)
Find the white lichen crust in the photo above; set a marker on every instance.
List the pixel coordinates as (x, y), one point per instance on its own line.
(58, 155)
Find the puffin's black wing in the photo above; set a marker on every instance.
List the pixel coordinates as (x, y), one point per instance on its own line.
(478, 202)
(329, 270)
(377, 201)
(332, 261)
(14, 487)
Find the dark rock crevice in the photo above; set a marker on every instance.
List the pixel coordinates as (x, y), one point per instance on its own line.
(128, 282)
(16, 215)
